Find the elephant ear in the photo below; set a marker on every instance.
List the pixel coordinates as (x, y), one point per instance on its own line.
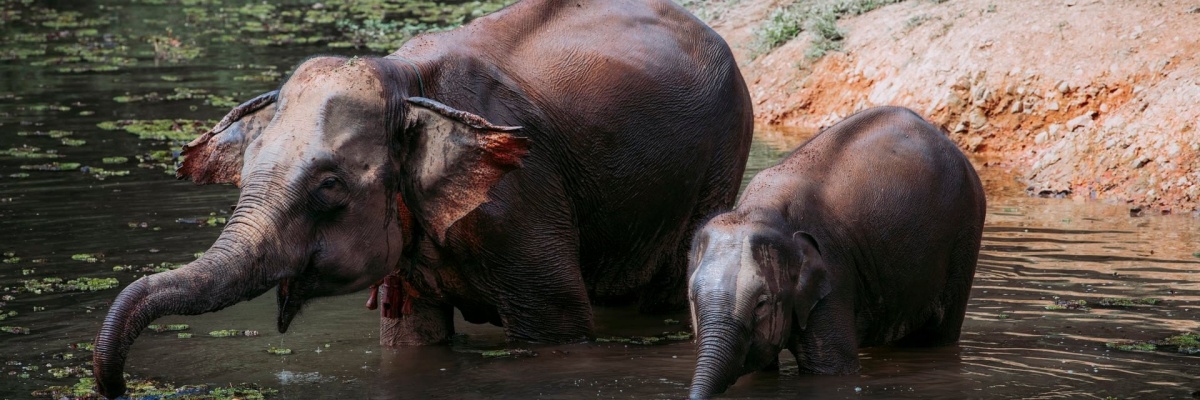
(454, 158)
(813, 284)
(216, 156)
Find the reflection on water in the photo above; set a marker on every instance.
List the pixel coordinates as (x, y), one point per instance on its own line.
(1012, 347)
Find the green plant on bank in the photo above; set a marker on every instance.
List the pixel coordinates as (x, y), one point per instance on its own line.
(819, 18)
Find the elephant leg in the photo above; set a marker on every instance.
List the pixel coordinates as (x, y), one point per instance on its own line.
(945, 327)
(546, 305)
(429, 323)
(829, 345)
(667, 291)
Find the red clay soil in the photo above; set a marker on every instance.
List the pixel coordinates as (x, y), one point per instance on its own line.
(1096, 100)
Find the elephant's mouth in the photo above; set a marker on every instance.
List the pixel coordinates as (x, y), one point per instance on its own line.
(289, 303)
(291, 295)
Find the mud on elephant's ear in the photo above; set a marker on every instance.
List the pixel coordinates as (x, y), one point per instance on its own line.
(216, 156)
(450, 160)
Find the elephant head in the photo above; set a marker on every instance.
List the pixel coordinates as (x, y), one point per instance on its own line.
(750, 286)
(324, 166)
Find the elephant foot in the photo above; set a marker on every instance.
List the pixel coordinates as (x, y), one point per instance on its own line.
(428, 324)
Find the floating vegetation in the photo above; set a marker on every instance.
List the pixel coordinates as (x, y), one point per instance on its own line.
(54, 166)
(168, 328)
(16, 330)
(183, 335)
(73, 142)
(89, 257)
(148, 268)
(148, 389)
(115, 160)
(176, 130)
(101, 173)
(508, 353)
(56, 134)
(232, 333)
(1186, 343)
(53, 285)
(279, 351)
(29, 152)
(1060, 304)
(73, 371)
(665, 337)
(1113, 302)
(211, 220)
(1132, 346)
(170, 49)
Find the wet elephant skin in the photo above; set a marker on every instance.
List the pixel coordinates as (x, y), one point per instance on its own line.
(520, 168)
(867, 234)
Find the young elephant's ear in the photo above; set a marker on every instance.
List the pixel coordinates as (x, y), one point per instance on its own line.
(452, 160)
(216, 156)
(813, 283)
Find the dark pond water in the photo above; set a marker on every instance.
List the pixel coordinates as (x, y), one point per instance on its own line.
(69, 68)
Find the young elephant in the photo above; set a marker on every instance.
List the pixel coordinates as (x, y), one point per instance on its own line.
(865, 235)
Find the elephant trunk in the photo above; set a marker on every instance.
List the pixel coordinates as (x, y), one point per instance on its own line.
(231, 271)
(723, 341)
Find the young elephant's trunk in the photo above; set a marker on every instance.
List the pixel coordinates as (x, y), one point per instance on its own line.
(723, 340)
(226, 274)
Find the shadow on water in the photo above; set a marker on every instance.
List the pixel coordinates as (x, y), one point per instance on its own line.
(1018, 341)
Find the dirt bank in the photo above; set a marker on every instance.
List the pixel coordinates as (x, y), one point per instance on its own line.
(1096, 100)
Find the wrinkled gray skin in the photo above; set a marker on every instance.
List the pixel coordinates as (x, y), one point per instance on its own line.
(616, 127)
(866, 235)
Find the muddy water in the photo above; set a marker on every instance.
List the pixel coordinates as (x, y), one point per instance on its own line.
(1012, 346)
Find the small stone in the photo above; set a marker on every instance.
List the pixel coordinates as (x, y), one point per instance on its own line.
(977, 119)
(1104, 108)
(1016, 107)
(1139, 162)
(1041, 137)
(1081, 121)
(1173, 149)
(1063, 87)
(1055, 128)
(1052, 106)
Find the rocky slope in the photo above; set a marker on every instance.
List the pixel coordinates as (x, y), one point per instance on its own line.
(1089, 99)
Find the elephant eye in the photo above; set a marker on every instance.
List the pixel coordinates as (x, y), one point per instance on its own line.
(330, 182)
(762, 301)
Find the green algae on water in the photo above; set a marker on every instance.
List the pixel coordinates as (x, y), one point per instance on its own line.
(89, 257)
(506, 353)
(148, 389)
(176, 130)
(1114, 302)
(168, 328)
(1060, 304)
(233, 333)
(16, 330)
(279, 351)
(1132, 346)
(54, 166)
(54, 285)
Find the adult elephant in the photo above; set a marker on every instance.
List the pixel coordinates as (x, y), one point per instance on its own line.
(544, 156)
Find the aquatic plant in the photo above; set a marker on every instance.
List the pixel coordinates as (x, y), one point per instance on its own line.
(279, 351)
(233, 333)
(1060, 304)
(648, 340)
(1114, 302)
(168, 328)
(503, 353)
